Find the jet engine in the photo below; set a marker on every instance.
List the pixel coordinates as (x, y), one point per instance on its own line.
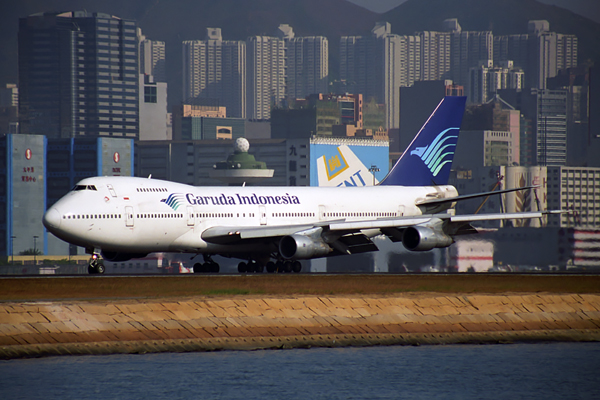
(303, 245)
(118, 257)
(421, 238)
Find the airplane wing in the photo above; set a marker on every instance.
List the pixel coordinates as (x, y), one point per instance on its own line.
(430, 202)
(351, 237)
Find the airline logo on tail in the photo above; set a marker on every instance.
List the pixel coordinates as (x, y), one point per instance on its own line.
(438, 153)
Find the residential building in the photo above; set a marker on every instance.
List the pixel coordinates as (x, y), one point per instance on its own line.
(487, 79)
(307, 60)
(266, 73)
(547, 109)
(467, 49)
(574, 189)
(78, 75)
(215, 69)
(540, 53)
(374, 64)
(152, 58)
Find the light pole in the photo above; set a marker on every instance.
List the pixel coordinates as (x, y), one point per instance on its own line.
(35, 249)
(12, 246)
(372, 170)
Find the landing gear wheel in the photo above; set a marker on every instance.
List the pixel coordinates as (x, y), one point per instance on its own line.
(197, 268)
(242, 267)
(296, 266)
(279, 266)
(287, 267)
(96, 265)
(214, 268)
(271, 267)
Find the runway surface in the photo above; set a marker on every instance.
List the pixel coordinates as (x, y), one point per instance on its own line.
(148, 287)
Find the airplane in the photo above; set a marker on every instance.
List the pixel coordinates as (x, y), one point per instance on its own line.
(120, 218)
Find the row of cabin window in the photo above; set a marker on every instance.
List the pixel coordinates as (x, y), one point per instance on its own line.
(151, 190)
(159, 216)
(222, 215)
(96, 216)
(292, 215)
(361, 214)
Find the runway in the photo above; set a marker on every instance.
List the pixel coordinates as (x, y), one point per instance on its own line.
(36, 288)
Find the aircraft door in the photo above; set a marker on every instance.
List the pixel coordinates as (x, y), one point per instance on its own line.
(263, 215)
(190, 216)
(400, 211)
(111, 189)
(321, 213)
(129, 216)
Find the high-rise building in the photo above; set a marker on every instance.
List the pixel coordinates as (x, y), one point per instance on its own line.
(576, 189)
(78, 75)
(487, 79)
(216, 69)
(540, 53)
(435, 53)
(266, 71)
(467, 49)
(152, 58)
(547, 109)
(307, 60)
(374, 64)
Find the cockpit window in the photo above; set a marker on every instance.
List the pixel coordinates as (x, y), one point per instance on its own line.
(84, 187)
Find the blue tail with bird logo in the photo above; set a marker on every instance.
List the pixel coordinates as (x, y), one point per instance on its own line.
(428, 158)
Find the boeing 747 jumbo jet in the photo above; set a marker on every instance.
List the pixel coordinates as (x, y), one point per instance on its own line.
(121, 218)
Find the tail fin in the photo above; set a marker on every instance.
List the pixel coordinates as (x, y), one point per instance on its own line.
(428, 158)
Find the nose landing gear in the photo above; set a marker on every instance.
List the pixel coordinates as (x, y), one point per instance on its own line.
(96, 265)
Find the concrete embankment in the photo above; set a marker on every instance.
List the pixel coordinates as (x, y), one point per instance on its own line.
(253, 322)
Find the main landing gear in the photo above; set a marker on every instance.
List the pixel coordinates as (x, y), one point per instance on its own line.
(209, 266)
(96, 265)
(271, 267)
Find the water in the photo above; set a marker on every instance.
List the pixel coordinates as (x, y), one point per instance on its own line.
(521, 371)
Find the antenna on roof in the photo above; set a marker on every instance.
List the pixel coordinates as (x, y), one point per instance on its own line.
(150, 176)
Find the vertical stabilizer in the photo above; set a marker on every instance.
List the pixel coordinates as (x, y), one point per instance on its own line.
(428, 158)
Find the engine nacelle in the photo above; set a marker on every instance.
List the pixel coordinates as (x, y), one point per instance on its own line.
(298, 247)
(421, 238)
(114, 256)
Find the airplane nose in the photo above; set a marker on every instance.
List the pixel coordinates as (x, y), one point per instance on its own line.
(51, 219)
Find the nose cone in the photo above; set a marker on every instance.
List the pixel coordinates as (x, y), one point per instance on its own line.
(51, 219)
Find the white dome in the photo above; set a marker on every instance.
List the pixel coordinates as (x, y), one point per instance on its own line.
(241, 145)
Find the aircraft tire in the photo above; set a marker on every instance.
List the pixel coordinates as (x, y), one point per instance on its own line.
(279, 266)
(296, 266)
(91, 270)
(214, 268)
(197, 268)
(242, 267)
(271, 267)
(287, 267)
(100, 269)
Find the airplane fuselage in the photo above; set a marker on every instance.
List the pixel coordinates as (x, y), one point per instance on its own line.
(139, 215)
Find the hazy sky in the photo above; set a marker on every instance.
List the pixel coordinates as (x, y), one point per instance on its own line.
(379, 6)
(588, 8)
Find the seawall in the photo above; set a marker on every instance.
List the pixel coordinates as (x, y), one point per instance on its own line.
(253, 322)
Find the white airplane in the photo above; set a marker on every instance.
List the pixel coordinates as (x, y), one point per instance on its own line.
(121, 218)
